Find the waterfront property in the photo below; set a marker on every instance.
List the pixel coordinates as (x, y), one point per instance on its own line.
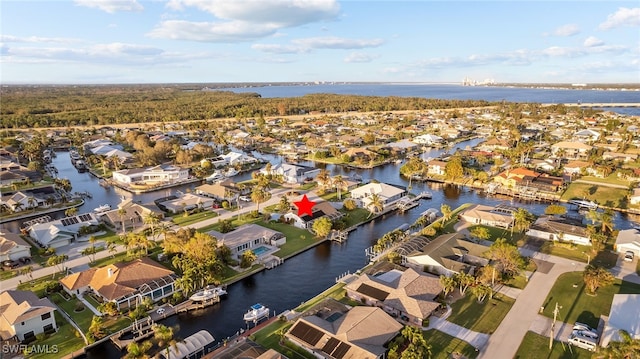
(387, 193)
(447, 254)
(361, 332)
(559, 229)
(524, 179)
(222, 190)
(156, 175)
(128, 214)
(61, 232)
(187, 202)
(125, 284)
(249, 236)
(292, 173)
(496, 216)
(13, 247)
(319, 210)
(23, 315)
(407, 295)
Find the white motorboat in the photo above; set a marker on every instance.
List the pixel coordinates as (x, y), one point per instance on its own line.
(219, 291)
(215, 176)
(105, 207)
(256, 312)
(231, 172)
(203, 295)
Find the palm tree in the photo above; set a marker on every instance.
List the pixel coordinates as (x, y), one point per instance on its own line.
(376, 204)
(259, 195)
(481, 291)
(93, 240)
(138, 350)
(164, 336)
(626, 348)
(57, 261)
(446, 212)
(18, 207)
(606, 221)
(323, 177)
(31, 201)
(448, 284)
(122, 212)
(70, 212)
(152, 220)
(522, 220)
(596, 277)
(339, 183)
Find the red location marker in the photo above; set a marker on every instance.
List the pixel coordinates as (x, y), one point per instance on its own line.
(305, 206)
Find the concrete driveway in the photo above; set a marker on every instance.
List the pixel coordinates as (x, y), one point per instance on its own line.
(626, 270)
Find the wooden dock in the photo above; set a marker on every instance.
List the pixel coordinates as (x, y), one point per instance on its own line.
(190, 305)
(338, 236)
(139, 330)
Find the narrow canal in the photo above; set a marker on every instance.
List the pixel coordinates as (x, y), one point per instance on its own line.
(301, 277)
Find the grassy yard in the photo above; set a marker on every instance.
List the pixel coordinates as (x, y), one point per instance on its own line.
(297, 238)
(82, 318)
(66, 340)
(356, 216)
(447, 227)
(496, 232)
(38, 285)
(235, 221)
(607, 196)
(580, 253)
(336, 292)
(332, 196)
(443, 345)
(181, 220)
(480, 317)
(611, 179)
(570, 293)
(536, 346)
(6, 274)
(119, 257)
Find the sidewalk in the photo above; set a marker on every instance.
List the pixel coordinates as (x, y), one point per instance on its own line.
(478, 340)
(542, 325)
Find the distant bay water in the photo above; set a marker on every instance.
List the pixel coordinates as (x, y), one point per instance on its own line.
(457, 92)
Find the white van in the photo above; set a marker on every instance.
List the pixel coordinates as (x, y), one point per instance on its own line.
(583, 342)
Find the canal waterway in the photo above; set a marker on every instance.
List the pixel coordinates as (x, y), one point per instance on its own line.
(307, 274)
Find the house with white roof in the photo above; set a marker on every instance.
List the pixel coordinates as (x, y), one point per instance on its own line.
(161, 174)
(238, 158)
(23, 315)
(428, 139)
(557, 229)
(628, 240)
(387, 193)
(248, 237)
(624, 314)
(186, 202)
(61, 232)
(571, 150)
(292, 173)
(586, 135)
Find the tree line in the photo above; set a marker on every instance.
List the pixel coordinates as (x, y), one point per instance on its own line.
(62, 106)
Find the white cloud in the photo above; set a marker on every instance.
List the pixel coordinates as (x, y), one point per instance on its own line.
(558, 51)
(623, 17)
(111, 6)
(359, 57)
(592, 41)
(244, 19)
(567, 30)
(210, 31)
(37, 39)
(279, 49)
(284, 13)
(337, 43)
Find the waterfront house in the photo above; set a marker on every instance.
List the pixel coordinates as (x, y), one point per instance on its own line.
(23, 315)
(132, 216)
(574, 168)
(156, 175)
(186, 202)
(559, 229)
(571, 150)
(445, 255)
(125, 284)
(22, 201)
(525, 180)
(428, 139)
(61, 232)
(402, 146)
(628, 240)
(238, 158)
(13, 247)
(359, 332)
(389, 194)
(319, 210)
(498, 216)
(436, 167)
(292, 173)
(359, 154)
(408, 295)
(624, 314)
(248, 237)
(222, 190)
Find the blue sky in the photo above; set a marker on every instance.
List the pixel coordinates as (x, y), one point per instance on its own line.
(135, 41)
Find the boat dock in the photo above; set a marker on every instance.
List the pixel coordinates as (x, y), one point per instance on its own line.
(190, 305)
(136, 332)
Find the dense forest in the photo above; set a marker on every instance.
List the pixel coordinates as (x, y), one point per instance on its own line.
(62, 106)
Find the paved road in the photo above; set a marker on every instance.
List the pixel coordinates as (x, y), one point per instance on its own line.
(504, 342)
(478, 340)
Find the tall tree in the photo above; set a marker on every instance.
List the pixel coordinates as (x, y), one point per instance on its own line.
(164, 336)
(453, 168)
(376, 205)
(338, 183)
(259, 195)
(506, 256)
(448, 284)
(446, 212)
(626, 348)
(122, 212)
(322, 227)
(137, 350)
(522, 220)
(596, 277)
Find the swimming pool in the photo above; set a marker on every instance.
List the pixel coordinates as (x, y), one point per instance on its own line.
(260, 250)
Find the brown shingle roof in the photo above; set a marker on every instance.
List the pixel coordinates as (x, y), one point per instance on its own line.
(18, 306)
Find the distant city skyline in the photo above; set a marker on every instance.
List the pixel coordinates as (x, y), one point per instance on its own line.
(198, 41)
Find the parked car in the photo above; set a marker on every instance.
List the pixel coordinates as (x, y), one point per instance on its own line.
(583, 342)
(10, 264)
(25, 260)
(581, 326)
(587, 333)
(245, 198)
(628, 256)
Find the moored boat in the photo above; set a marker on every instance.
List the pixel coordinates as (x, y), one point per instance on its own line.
(207, 293)
(105, 207)
(256, 312)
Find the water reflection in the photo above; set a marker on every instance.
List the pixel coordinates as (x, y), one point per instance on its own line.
(451, 191)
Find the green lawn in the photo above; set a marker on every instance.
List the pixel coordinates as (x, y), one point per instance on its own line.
(181, 220)
(6, 274)
(66, 340)
(297, 238)
(480, 317)
(38, 285)
(336, 292)
(119, 257)
(355, 216)
(443, 345)
(580, 253)
(611, 179)
(447, 227)
(82, 318)
(536, 346)
(496, 232)
(576, 305)
(607, 196)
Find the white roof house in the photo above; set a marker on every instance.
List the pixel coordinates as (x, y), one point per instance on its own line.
(234, 158)
(156, 174)
(13, 247)
(427, 139)
(625, 311)
(628, 240)
(186, 202)
(387, 193)
(61, 232)
(293, 173)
